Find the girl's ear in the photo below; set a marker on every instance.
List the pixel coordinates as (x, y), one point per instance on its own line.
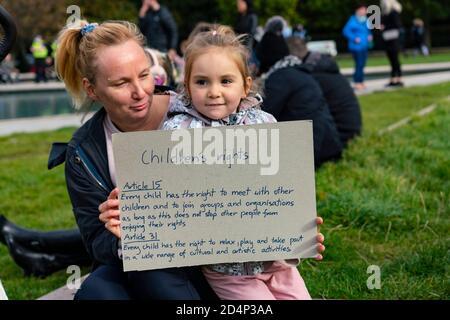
(90, 90)
(247, 85)
(186, 89)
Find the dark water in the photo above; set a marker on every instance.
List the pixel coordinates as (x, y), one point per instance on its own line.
(34, 104)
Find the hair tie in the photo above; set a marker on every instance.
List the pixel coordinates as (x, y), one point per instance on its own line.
(88, 28)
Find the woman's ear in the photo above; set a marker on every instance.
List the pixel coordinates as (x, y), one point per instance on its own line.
(248, 85)
(90, 90)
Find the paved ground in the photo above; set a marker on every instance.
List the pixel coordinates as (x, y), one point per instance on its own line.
(31, 86)
(40, 123)
(409, 81)
(436, 66)
(56, 85)
(63, 293)
(55, 122)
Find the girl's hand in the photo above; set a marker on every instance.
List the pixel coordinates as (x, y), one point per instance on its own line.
(320, 239)
(109, 213)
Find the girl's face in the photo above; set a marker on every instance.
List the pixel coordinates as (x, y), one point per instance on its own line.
(216, 86)
(124, 85)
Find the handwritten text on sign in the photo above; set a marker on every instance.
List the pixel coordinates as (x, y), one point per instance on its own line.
(179, 213)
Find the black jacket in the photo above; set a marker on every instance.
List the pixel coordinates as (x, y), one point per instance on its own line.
(247, 24)
(271, 49)
(292, 94)
(160, 29)
(89, 184)
(391, 20)
(341, 99)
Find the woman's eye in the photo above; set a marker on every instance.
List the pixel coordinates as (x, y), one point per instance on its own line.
(145, 75)
(119, 84)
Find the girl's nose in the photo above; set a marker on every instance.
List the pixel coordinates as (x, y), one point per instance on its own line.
(214, 91)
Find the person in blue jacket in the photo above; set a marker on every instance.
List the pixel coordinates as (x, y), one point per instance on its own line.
(359, 41)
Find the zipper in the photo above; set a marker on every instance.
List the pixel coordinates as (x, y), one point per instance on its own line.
(90, 168)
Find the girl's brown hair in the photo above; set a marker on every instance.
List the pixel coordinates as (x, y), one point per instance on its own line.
(76, 53)
(221, 37)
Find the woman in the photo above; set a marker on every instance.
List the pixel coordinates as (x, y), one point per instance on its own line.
(107, 64)
(272, 45)
(359, 40)
(391, 25)
(247, 20)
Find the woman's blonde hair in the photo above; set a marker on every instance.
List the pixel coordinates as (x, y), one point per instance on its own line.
(390, 5)
(220, 37)
(76, 54)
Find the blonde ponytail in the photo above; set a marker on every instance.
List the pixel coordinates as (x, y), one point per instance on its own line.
(76, 53)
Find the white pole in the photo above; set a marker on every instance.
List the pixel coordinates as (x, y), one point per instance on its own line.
(2, 292)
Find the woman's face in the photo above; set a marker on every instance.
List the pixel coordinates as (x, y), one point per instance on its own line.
(241, 6)
(361, 12)
(123, 85)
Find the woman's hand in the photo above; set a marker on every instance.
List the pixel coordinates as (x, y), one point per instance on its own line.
(144, 8)
(109, 213)
(320, 239)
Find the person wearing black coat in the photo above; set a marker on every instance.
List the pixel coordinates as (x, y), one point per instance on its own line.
(340, 97)
(291, 93)
(272, 47)
(247, 21)
(391, 27)
(158, 26)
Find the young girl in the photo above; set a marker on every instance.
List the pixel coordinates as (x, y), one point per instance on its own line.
(217, 92)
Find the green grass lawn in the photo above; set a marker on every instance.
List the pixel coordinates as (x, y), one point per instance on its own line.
(386, 203)
(373, 61)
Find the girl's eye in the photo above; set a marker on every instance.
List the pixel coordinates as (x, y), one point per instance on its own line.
(200, 82)
(227, 81)
(119, 84)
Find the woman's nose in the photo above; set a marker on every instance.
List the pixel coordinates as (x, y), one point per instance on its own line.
(138, 91)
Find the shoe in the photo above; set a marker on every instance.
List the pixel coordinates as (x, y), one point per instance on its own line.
(394, 84)
(360, 87)
(41, 264)
(61, 241)
(2, 223)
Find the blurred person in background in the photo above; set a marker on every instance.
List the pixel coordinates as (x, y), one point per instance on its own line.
(341, 99)
(391, 26)
(359, 41)
(159, 27)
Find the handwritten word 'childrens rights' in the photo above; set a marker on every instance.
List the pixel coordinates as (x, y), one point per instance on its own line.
(212, 146)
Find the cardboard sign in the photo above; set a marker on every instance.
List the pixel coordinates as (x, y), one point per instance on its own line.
(216, 195)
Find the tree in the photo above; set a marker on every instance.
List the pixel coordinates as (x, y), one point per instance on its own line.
(264, 8)
(33, 17)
